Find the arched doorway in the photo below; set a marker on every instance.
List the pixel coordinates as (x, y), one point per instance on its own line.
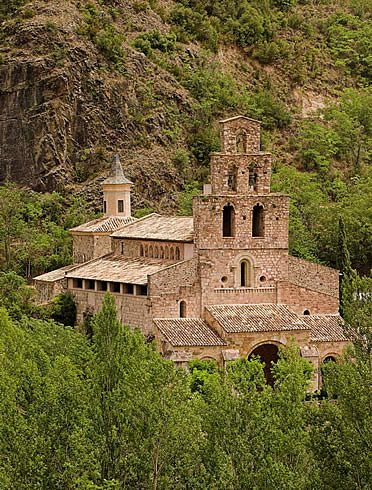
(268, 353)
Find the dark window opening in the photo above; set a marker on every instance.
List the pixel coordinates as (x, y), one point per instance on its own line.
(228, 218)
(105, 206)
(178, 255)
(141, 250)
(120, 206)
(258, 221)
(142, 290)
(252, 180)
(122, 248)
(89, 284)
(306, 312)
(115, 287)
(330, 359)
(243, 273)
(183, 309)
(101, 285)
(128, 288)
(78, 283)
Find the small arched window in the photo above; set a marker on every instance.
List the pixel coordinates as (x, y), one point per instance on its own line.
(161, 252)
(146, 251)
(182, 309)
(232, 179)
(241, 142)
(150, 251)
(306, 312)
(156, 252)
(171, 253)
(166, 253)
(245, 273)
(258, 226)
(141, 250)
(228, 221)
(178, 255)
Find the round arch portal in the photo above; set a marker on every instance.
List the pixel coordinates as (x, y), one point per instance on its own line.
(267, 353)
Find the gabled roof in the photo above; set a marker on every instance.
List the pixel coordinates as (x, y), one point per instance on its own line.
(325, 328)
(239, 117)
(116, 268)
(116, 175)
(188, 332)
(106, 224)
(256, 318)
(157, 227)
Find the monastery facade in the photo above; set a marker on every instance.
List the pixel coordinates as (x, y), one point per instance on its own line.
(219, 285)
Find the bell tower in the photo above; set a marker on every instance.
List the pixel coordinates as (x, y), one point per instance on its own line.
(241, 229)
(116, 191)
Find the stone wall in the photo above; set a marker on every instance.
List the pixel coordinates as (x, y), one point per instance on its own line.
(167, 288)
(302, 298)
(134, 311)
(47, 290)
(208, 222)
(83, 248)
(240, 174)
(102, 245)
(313, 276)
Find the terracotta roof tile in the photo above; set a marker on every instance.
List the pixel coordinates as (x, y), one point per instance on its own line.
(187, 332)
(256, 318)
(117, 268)
(106, 224)
(156, 227)
(55, 275)
(325, 328)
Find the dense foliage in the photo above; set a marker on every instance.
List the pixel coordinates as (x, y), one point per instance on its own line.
(113, 414)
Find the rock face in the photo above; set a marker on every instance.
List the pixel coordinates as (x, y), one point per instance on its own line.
(63, 112)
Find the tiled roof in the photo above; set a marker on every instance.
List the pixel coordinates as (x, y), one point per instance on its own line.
(256, 318)
(187, 332)
(116, 175)
(238, 117)
(156, 227)
(56, 275)
(325, 328)
(106, 224)
(116, 268)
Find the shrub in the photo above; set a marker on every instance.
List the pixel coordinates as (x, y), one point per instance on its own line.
(155, 40)
(64, 310)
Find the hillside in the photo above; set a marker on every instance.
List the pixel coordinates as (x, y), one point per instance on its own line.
(81, 80)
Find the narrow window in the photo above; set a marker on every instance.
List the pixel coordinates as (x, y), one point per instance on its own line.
(228, 218)
(243, 273)
(120, 206)
(161, 252)
(141, 250)
(105, 207)
(171, 253)
(183, 309)
(150, 251)
(252, 180)
(258, 221)
(142, 290)
(166, 254)
(177, 253)
(122, 248)
(241, 142)
(146, 251)
(232, 179)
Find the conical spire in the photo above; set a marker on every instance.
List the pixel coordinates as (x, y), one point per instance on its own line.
(116, 175)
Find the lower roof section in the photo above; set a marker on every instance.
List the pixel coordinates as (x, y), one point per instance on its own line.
(325, 328)
(256, 318)
(118, 268)
(106, 224)
(55, 275)
(183, 332)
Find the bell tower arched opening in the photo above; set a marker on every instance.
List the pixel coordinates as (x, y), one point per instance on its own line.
(268, 353)
(258, 224)
(245, 274)
(228, 221)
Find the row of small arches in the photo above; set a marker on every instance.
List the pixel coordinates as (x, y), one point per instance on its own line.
(156, 252)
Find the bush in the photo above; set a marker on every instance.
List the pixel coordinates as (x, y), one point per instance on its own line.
(64, 310)
(155, 40)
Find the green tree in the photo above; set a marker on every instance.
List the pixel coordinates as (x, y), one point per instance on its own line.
(347, 288)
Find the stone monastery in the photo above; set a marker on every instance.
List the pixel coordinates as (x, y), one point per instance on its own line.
(219, 285)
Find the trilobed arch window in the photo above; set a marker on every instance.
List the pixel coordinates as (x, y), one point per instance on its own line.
(228, 221)
(258, 222)
(241, 142)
